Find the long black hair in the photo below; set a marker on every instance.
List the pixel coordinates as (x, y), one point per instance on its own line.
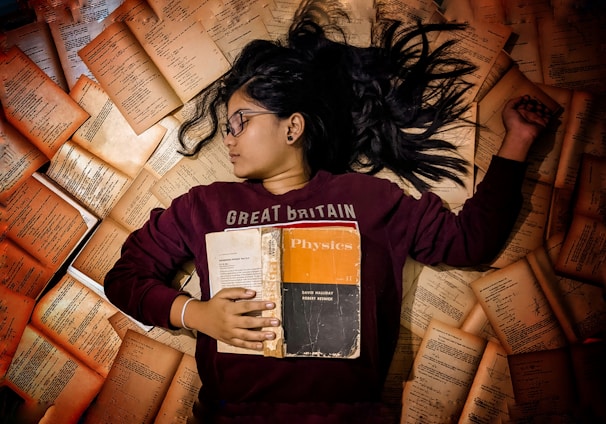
(365, 108)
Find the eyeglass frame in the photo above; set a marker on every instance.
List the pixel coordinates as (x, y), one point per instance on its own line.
(228, 128)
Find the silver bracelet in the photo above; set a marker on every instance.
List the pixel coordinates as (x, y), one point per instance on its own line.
(183, 314)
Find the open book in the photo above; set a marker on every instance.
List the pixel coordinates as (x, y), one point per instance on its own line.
(151, 66)
(312, 273)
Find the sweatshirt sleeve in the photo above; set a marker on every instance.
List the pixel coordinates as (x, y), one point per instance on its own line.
(481, 228)
(140, 281)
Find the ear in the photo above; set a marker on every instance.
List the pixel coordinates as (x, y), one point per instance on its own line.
(296, 126)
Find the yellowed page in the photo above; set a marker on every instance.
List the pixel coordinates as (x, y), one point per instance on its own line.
(439, 292)
(35, 105)
(478, 323)
(133, 208)
(526, 50)
(101, 251)
(137, 382)
(72, 35)
(399, 370)
(42, 223)
(560, 213)
(518, 310)
(15, 310)
(481, 43)
(93, 182)
(279, 16)
(529, 229)
(76, 318)
(441, 375)
(408, 12)
(517, 11)
(130, 78)
(21, 272)
(233, 23)
(488, 11)
(36, 42)
(491, 391)
(178, 45)
(544, 385)
(492, 129)
(44, 374)
(181, 340)
(501, 65)
(107, 135)
(211, 164)
(178, 403)
(582, 256)
(167, 153)
(585, 127)
(572, 52)
(542, 267)
(591, 187)
(585, 303)
(19, 159)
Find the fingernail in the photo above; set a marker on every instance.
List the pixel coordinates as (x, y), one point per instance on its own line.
(270, 336)
(249, 292)
(275, 322)
(270, 305)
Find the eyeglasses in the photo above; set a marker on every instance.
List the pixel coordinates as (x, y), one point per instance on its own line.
(235, 123)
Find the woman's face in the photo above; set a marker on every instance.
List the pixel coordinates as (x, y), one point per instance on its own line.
(259, 148)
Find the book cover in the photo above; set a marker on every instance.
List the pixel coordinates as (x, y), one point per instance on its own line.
(311, 273)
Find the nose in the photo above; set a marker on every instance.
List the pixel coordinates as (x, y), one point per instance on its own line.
(229, 140)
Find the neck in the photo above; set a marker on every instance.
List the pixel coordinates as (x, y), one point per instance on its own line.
(284, 183)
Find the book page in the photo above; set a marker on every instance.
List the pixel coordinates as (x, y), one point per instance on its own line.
(542, 267)
(478, 323)
(211, 164)
(492, 129)
(591, 187)
(408, 12)
(440, 292)
(42, 223)
(44, 374)
(178, 45)
(585, 129)
(36, 42)
(234, 260)
(101, 251)
(399, 370)
(130, 78)
(182, 340)
(518, 310)
(572, 52)
(582, 256)
(526, 50)
(233, 23)
(136, 383)
(166, 155)
(135, 205)
(480, 43)
(279, 16)
(76, 318)
(21, 272)
(93, 182)
(15, 310)
(70, 36)
(501, 65)
(491, 391)
(529, 229)
(107, 135)
(35, 105)
(585, 303)
(179, 400)
(19, 159)
(543, 383)
(441, 375)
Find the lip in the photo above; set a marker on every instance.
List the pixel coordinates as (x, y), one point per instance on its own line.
(233, 157)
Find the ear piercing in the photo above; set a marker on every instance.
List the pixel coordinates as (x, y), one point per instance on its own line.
(289, 138)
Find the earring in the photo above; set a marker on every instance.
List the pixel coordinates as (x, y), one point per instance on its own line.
(289, 138)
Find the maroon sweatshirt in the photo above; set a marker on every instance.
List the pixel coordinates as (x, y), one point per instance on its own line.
(392, 226)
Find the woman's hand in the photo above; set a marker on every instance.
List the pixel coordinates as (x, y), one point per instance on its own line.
(229, 317)
(524, 119)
